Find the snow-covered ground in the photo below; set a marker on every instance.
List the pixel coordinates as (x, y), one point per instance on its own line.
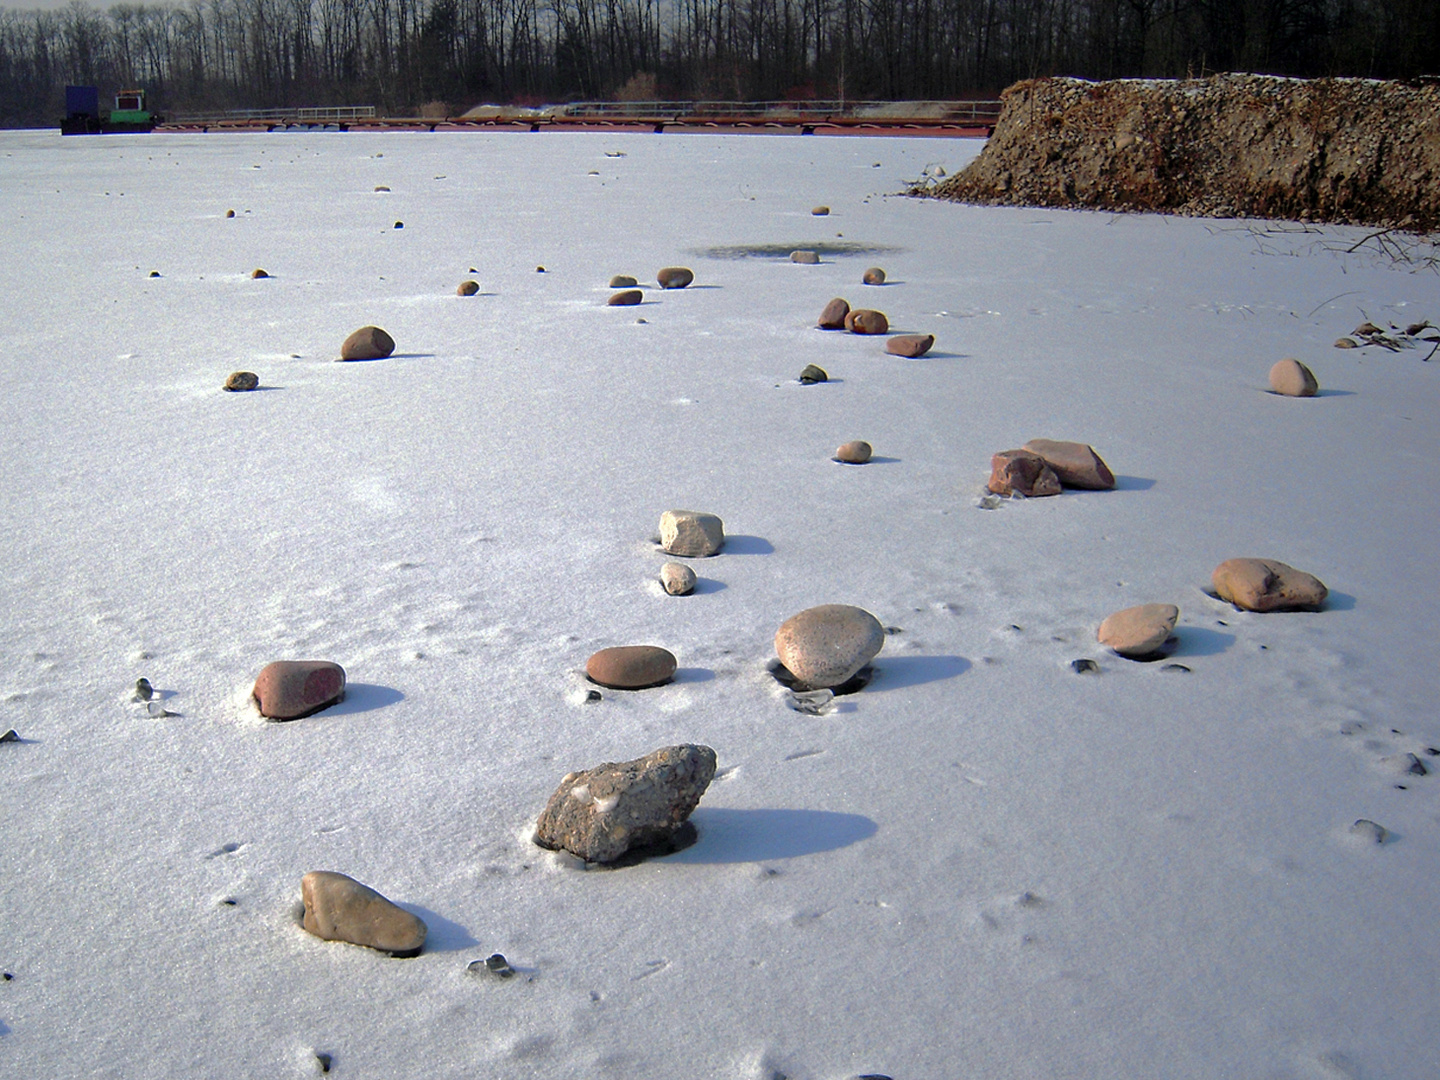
(983, 865)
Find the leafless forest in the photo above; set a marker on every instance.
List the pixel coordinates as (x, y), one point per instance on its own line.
(405, 55)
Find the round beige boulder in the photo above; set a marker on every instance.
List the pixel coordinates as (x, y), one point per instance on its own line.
(824, 646)
(1293, 379)
(865, 321)
(677, 579)
(467, 288)
(1139, 631)
(873, 276)
(855, 452)
(1268, 585)
(674, 277)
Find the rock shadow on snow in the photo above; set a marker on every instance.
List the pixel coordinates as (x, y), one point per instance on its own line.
(899, 672)
(742, 836)
(362, 698)
(747, 545)
(782, 251)
(1133, 483)
(442, 935)
(1196, 641)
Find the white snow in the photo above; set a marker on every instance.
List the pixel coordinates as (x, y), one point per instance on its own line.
(982, 865)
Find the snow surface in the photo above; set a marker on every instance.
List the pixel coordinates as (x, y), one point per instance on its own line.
(983, 865)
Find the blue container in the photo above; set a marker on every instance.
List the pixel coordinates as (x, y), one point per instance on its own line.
(82, 101)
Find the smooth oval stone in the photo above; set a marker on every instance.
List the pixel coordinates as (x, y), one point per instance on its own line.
(631, 667)
(1019, 472)
(677, 578)
(229, 213)
(290, 689)
(367, 343)
(873, 276)
(258, 274)
(339, 908)
(623, 281)
(467, 288)
(674, 277)
(628, 298)
(865, 321)
(242, 380)
(1075, 463)
(382, 187)
(604, 813)
(910, 345)
(691, 533)
(820, 211)
(1267, 585)
(1293, 379)
(812, 373)
(856, 452)
(824, 646)
(1138, 631)
(806, 258)
(833, 317)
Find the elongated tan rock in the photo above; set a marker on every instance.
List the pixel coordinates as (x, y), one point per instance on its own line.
(367, 343)
(912, 346)
(1075, 464)
(1268, 585)
(339, 908)
(627, 298)
(866, 321)
(806, 258)
(824, 646)
(623, 281)
(855, 452)
(631, 667)
(674, 277)
(691, 534)
(290, 689)
(602, 814)
(1139, 631)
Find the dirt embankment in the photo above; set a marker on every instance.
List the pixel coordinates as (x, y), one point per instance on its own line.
(1356, 151)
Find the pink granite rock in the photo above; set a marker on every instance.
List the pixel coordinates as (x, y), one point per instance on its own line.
(910, 345)
(290, 689)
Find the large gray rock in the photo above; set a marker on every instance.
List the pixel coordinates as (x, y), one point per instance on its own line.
(339, 908)
(824, 646)
(603, 813)
(290, 689)
(1139, 631)
(1268, 585)
(1074, 463)
(691, 534)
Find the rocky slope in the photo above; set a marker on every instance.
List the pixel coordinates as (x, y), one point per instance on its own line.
(1357, 151)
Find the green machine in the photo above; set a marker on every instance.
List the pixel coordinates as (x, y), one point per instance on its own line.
(83, 116)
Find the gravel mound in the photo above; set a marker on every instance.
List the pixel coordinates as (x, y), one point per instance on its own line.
(1354, 151)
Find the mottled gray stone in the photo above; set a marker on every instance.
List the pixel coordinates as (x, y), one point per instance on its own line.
(239, 381)
(824, 646)
(677, 578)
(604, 813)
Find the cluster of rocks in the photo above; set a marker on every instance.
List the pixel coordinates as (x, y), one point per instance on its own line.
(667, 277)
(1043, 466)
(839, 315)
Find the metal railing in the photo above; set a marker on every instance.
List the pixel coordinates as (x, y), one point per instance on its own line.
(961, 111)
(325, 114)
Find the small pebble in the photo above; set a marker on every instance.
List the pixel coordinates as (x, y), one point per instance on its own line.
(240, 381)
(399, 224)
(10, 736)
(1084, 667)
(467, 288)
(497, 963)
(820, 211)
(623, 281)
(143, 690)
(1347, 343)
(806, 258)
(873, 276)
(229, 213)
(381, 187)
(592, 696)
(258, 273)
(674, 277)
(540, 269)
(154, 273)
(812, 374)
(1175, 667)
(324, 1061)
(677, 578)
(628, 298)
(856, 452)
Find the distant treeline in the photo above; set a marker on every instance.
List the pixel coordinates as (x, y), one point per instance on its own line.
(404, 55)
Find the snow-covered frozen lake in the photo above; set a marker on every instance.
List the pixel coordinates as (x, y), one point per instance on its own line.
(982, 865)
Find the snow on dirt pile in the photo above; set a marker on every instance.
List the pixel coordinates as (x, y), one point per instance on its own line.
(1011, 853)
(1336, 150)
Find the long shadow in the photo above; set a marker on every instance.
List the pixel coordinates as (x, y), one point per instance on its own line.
(1133, 483)
(441, 935)
(363, 697)
(1200, 641)
(1339, 601)
(747, 545)
(705, 585)
(898, 672)
(693, 675)
(740, 836)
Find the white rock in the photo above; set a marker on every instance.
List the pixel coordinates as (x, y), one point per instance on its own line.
(690, 533)
(824, 646)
